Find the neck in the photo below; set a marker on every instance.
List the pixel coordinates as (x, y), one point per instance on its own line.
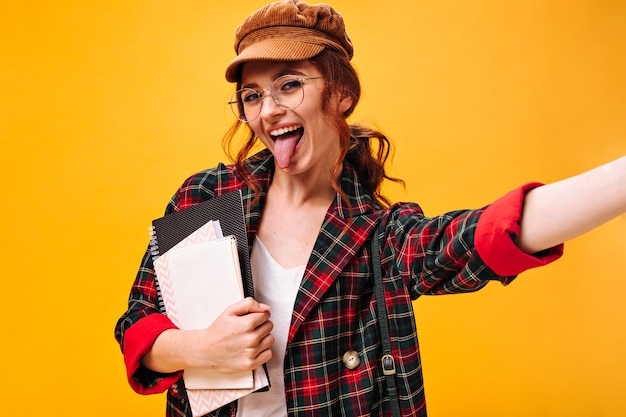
(303, 189)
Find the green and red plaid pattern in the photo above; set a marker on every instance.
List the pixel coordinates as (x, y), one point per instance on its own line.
(335, 309)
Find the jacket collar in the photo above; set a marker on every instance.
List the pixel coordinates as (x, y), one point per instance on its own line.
(359, 200)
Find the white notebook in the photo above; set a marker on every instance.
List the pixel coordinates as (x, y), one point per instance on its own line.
(198, 280)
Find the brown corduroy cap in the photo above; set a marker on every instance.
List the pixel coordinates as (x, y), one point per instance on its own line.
(289, 30)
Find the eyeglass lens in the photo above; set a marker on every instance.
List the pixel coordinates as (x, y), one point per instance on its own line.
(286, 91)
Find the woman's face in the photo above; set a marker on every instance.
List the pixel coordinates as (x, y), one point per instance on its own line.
(302, 139)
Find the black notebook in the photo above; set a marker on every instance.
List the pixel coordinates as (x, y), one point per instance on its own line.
(169, 230)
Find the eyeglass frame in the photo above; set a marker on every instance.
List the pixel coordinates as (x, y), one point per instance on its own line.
(239, 106)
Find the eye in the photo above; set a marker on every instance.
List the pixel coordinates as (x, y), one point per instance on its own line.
(249, 96)
(290, 85)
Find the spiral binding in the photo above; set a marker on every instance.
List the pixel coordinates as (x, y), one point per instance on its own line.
(154, 252)
(154, 246)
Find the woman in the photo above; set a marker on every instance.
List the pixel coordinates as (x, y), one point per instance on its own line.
(312, 200)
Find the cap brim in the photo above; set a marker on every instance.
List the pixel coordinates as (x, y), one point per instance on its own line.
(272, 50)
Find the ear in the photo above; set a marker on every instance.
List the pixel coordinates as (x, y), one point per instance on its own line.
(345, 102)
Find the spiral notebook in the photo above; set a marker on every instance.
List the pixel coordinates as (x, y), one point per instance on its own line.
(169, 230)
(188, 252)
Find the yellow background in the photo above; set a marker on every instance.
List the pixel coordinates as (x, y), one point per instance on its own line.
(106, 106)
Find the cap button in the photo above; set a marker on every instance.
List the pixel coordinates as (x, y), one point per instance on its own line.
(351, 359)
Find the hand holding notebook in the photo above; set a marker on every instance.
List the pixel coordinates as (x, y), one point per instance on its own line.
(199, 275)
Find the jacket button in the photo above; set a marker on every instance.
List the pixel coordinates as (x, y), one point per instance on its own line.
(351, 359)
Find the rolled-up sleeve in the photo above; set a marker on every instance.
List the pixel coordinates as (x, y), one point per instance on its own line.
(497, 230)
(138, 340)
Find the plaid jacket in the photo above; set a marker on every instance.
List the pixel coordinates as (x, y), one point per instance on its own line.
(335, 309)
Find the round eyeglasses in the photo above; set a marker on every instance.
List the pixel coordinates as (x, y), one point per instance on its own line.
(287, 92)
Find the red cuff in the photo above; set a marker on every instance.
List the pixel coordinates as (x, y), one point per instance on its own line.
(497, 230)
(138, 340)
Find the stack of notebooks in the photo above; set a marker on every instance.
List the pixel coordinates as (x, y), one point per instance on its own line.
(202, 264)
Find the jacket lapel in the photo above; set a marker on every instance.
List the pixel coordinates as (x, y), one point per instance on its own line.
(344, 230)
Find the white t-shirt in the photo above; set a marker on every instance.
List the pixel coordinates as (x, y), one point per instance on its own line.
(276, 287)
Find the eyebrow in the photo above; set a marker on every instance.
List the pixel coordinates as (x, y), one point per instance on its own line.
(276, 76)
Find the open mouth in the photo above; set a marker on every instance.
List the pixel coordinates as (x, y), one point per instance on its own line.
(286, 131)
(285, 141)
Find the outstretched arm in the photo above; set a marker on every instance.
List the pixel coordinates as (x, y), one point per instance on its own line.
(565, 209)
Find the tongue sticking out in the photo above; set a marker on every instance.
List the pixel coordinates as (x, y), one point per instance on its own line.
(284, 147)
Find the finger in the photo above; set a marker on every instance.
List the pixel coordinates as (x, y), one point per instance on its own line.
(264, 352)
(263, 357)
(264, 328)
(266, 343)
(257, 324)
(246, 306)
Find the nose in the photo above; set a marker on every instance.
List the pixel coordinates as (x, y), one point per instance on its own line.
(269, 107)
